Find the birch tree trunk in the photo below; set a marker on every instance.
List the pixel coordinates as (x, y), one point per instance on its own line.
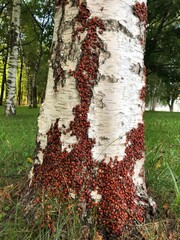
(13, 60)
(35, 75)
(90, 142)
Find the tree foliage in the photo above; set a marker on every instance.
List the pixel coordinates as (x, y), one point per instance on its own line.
(35, 40)
(163, 50)
(37, 35)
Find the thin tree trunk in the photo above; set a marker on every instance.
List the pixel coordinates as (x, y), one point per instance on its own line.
(20, 83)
(29, 88)
(13, 60)
(3, 79)
(29, 77)
(153, 104)
(34, 94)
(90, 143)
(34, 82)
(171, 109)
(171, 106)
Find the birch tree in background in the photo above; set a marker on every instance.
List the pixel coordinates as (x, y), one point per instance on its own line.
(13, 59)
(90, 143)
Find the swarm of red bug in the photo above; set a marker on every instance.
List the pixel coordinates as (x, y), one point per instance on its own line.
(140, 10)
(65, 173)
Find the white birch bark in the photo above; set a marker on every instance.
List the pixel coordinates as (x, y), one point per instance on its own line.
(13, 59)
(59, 104)
(116, 107)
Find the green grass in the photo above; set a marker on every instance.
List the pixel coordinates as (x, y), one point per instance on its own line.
(163, 159)
(17, 142)
(17, 229)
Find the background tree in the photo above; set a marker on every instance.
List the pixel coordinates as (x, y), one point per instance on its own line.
(5, 12)
(13, 59)
(35, 40)
(38, 32)
(162, 50)
(19, 85)
(154, 90)
(3, 81)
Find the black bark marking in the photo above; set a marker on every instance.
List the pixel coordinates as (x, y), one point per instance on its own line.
(14, 37)
(99, 100)
(125, 30)
(58, 72)
(116, 26)
(137, 69)
(105, 138)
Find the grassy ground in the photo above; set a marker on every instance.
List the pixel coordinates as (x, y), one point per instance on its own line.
(163, 160)
(17, 141)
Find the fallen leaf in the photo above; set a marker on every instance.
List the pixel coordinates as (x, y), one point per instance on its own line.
(29, 160)
(157, 165)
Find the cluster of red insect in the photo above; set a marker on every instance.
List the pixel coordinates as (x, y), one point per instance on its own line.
(118, 208)
(64, 172)
(143, 93)
(140, 10)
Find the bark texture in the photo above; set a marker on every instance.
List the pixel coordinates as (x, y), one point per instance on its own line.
(90, 143)
(13, 59)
